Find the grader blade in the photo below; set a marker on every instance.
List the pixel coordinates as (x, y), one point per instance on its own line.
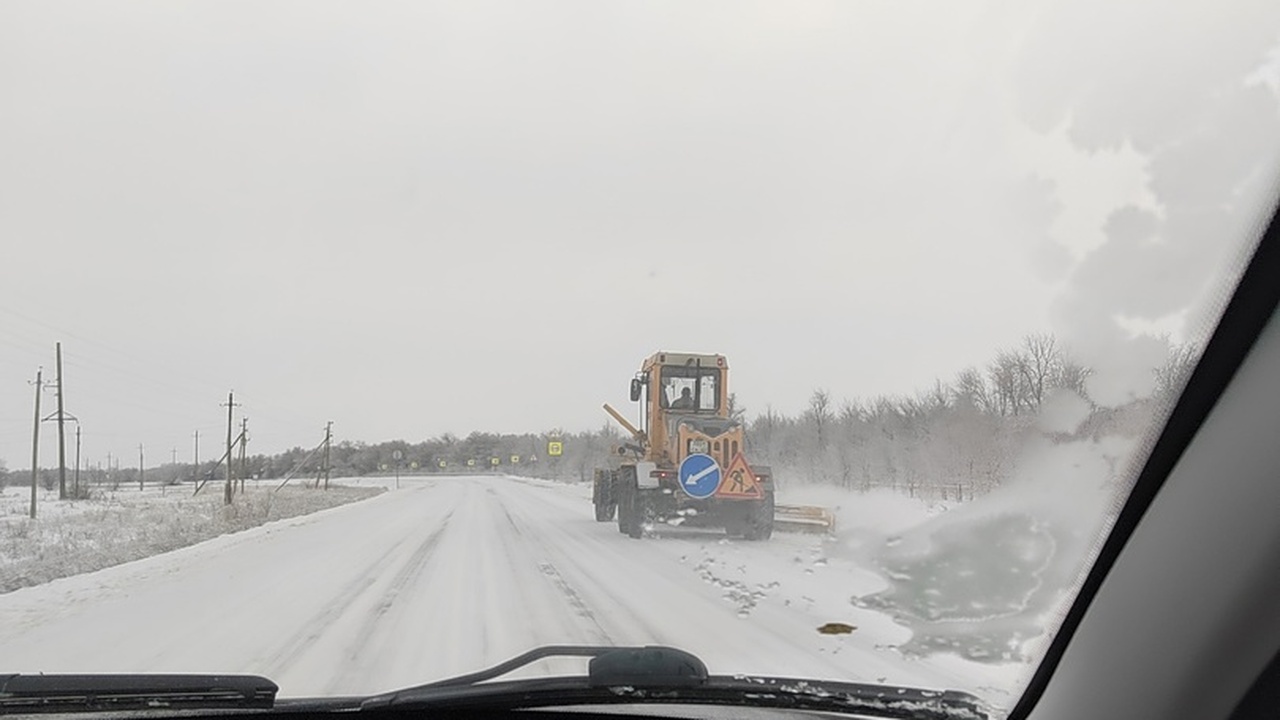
(803, 518)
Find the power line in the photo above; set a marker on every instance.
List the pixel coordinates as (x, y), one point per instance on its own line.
(122, 353)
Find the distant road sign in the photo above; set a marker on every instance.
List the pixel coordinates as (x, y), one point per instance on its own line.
(515, 459)
(471, 462)
(533, 458)
(699, 476)
(555, 448)
(494, 461)
(443, 463)
(397, 455)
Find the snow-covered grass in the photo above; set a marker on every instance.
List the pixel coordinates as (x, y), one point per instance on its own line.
(117, 526)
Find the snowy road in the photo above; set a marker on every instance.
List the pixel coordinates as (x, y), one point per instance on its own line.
(448, 575)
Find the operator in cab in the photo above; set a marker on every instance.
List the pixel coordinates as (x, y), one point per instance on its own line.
(684, 402)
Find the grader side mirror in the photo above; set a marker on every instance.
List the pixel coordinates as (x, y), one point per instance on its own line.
(635, 389)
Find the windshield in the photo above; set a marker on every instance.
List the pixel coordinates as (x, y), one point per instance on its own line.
(690, 388)
(308, 312)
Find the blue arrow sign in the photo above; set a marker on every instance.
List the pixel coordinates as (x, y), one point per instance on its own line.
(699, 476)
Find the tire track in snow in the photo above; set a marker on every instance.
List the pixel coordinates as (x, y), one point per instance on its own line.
(650, 601)
(578, 564)
(575, 600)
(407, 576)
(317, 626)
(524, 543)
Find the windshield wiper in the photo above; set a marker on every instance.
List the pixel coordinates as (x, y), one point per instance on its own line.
(632, 675)
(93, 693)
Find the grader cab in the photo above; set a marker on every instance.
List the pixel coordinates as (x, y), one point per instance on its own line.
(685, 463)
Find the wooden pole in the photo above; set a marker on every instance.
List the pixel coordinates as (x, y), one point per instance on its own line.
(35, 445)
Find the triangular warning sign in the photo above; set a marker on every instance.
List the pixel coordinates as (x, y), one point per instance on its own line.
(738, 481)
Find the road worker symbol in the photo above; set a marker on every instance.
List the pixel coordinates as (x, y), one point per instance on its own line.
(739, 481)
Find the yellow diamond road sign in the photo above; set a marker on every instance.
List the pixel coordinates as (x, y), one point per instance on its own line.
(555, 448)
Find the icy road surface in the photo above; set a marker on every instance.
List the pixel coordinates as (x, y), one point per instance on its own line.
(449, 575)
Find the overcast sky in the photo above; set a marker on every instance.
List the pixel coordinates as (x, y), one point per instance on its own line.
(412, 218)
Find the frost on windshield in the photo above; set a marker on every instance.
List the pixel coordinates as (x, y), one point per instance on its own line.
(989, 579)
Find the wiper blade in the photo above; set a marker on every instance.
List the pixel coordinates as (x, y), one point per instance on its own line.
(93, 693)
(631, 675)
(652, 664)
(646, 666)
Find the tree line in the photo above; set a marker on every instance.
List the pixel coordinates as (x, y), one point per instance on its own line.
(958, 438)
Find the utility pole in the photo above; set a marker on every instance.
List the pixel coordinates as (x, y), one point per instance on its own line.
(244, 440)
(195, 461)
(226, 494)
(328, 436)
(140, 466)
(62, 443)
(35, 444)
(77, 477)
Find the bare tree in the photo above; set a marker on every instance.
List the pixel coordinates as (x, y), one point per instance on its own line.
(736, 412)
(1040, 365)
(850, 413)
(820, 415)
(1007, 382)
(1072, 376)
(971, 388)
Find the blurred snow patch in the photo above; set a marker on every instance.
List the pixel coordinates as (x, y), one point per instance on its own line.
(1063, 412)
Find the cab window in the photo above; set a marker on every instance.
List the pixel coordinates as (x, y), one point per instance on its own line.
(690, 388)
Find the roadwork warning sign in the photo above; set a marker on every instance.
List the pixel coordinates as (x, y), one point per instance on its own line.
(739, 481)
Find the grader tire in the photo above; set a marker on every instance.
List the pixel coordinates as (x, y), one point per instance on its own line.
(630, 519)
(760, 518)
(602, 496)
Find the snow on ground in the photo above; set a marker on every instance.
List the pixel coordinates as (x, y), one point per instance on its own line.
(116, 525)
(450, 574)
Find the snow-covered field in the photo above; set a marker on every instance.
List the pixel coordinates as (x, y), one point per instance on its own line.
(450, 574)
(117, 525)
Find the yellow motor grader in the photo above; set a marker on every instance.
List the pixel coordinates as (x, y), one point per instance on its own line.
(685, 463)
